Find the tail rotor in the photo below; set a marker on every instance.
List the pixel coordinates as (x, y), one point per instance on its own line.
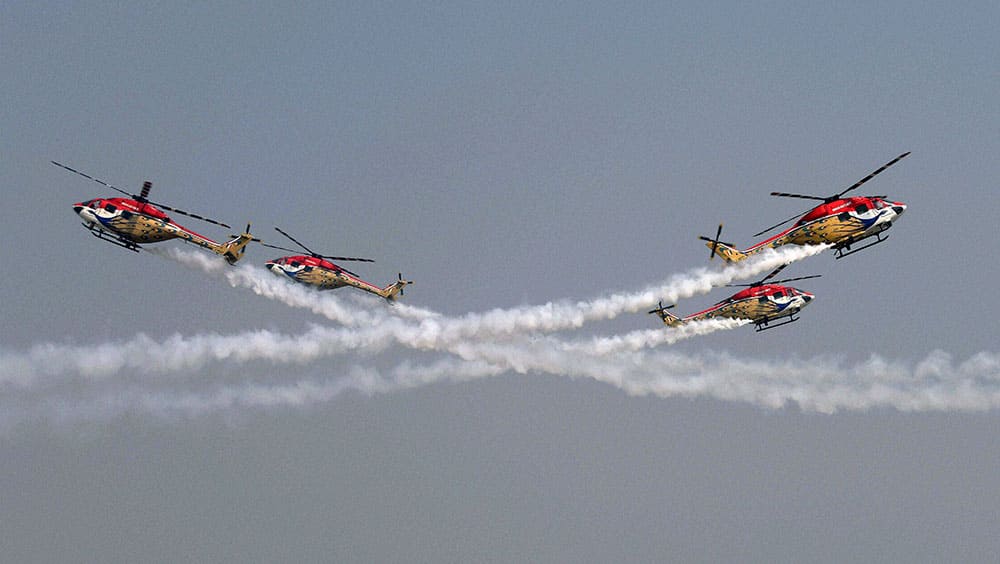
(402, 283)
(395, 290)
(661, 309)
(715, 242)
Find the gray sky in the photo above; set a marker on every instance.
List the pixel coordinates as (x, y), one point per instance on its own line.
(499, 156)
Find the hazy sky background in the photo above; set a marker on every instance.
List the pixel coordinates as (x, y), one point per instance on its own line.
(503, 155)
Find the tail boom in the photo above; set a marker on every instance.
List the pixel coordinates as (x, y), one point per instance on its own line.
(233, 249)
(669, 319)
(729, 253)
(394, 290)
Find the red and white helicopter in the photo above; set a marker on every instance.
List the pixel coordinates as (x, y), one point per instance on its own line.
(317, 271)
(762, 303)
(129, 222)
(838, 221)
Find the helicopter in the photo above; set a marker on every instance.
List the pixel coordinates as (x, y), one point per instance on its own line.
(761, 302)
(129, 222)
(838, 221)
(317, 271)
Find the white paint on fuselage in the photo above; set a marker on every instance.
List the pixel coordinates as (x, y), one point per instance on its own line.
(884, 217)
(792, 304)
(285, 269)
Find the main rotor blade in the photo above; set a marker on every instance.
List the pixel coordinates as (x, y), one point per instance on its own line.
(97, 180)
(761, 282)
(782, 281)
(355, 259)
(141, 198)
(776, 225)
(773, 273)
(189, 214)
(803, 196)
(872, 175)
(279, 248)
(835, 196)
(294, 240)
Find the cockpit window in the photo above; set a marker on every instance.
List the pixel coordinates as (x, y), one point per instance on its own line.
(295, 263)
(779, 294)
(861, 208)
(110, 207)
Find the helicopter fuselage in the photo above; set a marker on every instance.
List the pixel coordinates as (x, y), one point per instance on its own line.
(760, 305)
(133, 222)
(840, 223)
(313, 271)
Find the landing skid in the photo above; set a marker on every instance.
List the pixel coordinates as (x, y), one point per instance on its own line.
(113, 239)
(847, 246)
(764, 325)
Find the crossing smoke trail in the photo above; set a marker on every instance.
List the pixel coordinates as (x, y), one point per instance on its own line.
(486, 344)
(936, 383)
(552, 316)
(142, 361)
(49, 364)
(233, 399)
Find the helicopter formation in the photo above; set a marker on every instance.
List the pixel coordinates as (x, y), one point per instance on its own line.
(839, 221)
(134, 221)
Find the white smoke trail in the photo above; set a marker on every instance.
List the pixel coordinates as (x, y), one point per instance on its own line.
(144, 356)
(267, 285)
(936, 383)
(647, 338)
(49, 364)
(203, 399)
(555, 316)
(552, 316)
(824, 385)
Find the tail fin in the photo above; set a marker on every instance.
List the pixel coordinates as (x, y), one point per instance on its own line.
(727, 252)
(394, 290)
(233, 249)
(669, 319)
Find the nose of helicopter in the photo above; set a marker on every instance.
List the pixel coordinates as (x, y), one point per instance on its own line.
(77, 207)
(898, 207)
(807, 297)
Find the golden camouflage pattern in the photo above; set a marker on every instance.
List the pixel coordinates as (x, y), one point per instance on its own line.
(327, 279)
(138, 228)
(831, 230)
(755, 309)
